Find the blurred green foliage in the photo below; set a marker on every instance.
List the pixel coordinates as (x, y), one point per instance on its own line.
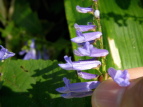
(42, 20)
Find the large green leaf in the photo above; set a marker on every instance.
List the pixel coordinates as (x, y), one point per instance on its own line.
(33, 82)
(122, 23)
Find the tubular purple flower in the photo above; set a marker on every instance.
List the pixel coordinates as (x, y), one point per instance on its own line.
(86, 37)
(84, 28)
(30, 54)
(120, 77)
(84, 9)
(85, 75)
(4, 53)
(77, 95)
(89, 50)
(79, 65)
(77, 87)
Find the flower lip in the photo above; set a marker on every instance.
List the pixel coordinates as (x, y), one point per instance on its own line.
(84, 9)
(120, 77)
(89, 50)
(85, 75)
(84, 28)
(79, 65)
(86, 37)
(4, 53)
(77, 87)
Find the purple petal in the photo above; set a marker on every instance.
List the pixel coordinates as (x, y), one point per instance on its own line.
(4, 53)
(86, 75)
(77, 95)
(92, 36)
(84, 28)
(99, 52)
(22, 52)
(77, 87)
(68, 59)
(85, 65)
(30, 55)
(84, 9)
(82, 44)
(89, 50)
(120, 77)
(79, 33)
(32, 45)
(80, 65)
(86, 37)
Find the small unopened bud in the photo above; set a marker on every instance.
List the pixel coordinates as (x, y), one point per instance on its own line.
(97, 13)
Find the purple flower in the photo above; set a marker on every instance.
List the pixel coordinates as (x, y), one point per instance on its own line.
(84, 9)
(86, 37)
(77, 87)
(77, 95)
(30, 54)
(86, 75)
(84, 28)
(120, 77)
(89, 50)
(79, 65)
(4, 53)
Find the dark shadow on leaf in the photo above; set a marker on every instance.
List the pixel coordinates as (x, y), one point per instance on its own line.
(42, 92)
(140, 3)
(121, 20)
(39, 72)
(123, 4)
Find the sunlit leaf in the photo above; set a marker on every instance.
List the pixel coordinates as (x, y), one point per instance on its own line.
(33, 83)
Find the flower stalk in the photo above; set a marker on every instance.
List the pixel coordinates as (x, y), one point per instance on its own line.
(88, 36)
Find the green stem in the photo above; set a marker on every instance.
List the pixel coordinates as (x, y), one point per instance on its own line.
(98, 24)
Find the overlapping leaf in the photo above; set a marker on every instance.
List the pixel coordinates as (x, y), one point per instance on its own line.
(33, 83)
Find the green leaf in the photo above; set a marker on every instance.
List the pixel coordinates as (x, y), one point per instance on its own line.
(25, 18)
(122, 23)
(33, 83)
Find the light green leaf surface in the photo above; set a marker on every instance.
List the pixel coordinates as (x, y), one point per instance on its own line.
(32, 83)
(122, 23)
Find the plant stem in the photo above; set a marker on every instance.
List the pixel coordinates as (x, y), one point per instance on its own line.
(98, 24)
